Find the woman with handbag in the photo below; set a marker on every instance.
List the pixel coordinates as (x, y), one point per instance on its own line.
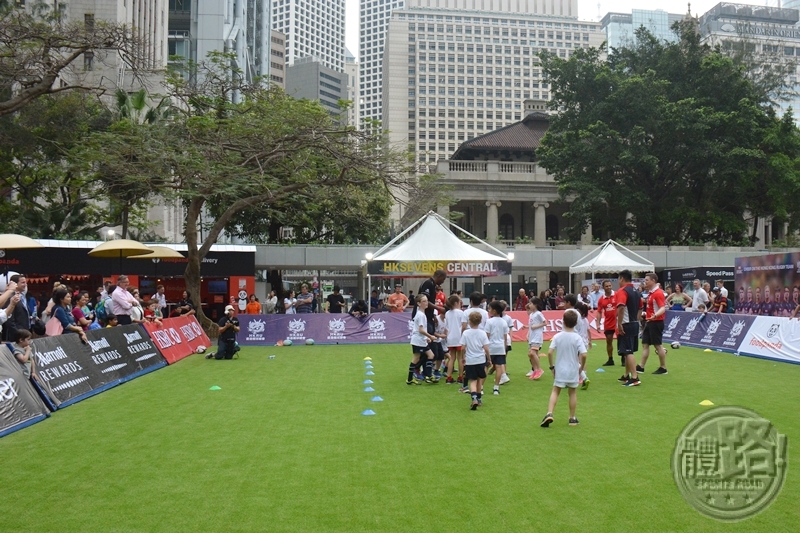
(63, 321)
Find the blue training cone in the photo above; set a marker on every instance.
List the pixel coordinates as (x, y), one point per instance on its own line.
(370, 373)
(368, 412)
(367, 382)
(599, 370)
(369, 389)
(377, 399)
(369, 367)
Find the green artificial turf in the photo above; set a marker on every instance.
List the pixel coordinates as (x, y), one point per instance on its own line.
(282, 446)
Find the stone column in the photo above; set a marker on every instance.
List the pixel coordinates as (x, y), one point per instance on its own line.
(767, 231)
(540, 224)
(760, 233)
(492, 226)
(443, 210)
(586, 237)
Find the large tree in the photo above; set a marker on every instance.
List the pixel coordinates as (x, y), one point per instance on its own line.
(39, 46)
(667, 142)
(232, 148)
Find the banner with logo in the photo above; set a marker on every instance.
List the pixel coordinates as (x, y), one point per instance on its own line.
(20, 405)
(178, 337)
(323, 328)
(70, 371)
(454, 269)
(773, 338)
(709, 330)
(767, 285)
(555, 323)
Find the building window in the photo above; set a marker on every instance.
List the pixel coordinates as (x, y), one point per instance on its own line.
(507, 227)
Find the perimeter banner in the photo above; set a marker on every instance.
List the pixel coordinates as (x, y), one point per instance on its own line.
(20, 405)
(773, 338)
(70, 371)
(555, 323)
(707, 330)
(454, 269)
(768, 285)
(178, 337)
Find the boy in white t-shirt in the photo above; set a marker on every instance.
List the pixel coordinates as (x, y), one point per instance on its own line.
(510, 323)
(497, 331)
(439, 346)
(455, 321)
(536, 325)
(581, 328)
(571, 361)
(475, 300)
(476, 355)
(419, 344)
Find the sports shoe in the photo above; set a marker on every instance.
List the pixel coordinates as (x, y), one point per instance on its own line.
(623, 379)
(496, 391)
(437, 374)
(536, 375)
(639, 368)
(573, 421)
(464, 390)
(491, 370)
(431, 379)
(480, 402)
(610, 362)
(504, 379)
(661, 371)
(474, 404)
(412, 381)
(633, 382)
(547, 420)
(529, 374)
(449, 380)
(419, 376)
(210, 355)
(585, 384)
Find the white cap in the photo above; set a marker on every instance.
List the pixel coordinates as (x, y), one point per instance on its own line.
(229, 308)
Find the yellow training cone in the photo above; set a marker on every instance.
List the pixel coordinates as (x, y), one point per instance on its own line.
(370, 358)
(707, 350)
(706, 402)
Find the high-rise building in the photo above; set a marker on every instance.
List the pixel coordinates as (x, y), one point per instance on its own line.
(309, 78)
(452, 75)
(770, 34)
(242, 28)
(620, 27)
(312, 28)
(351, 69)
(277, 53)
(374, 18)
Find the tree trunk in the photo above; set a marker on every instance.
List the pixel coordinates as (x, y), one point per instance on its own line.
(124, 231)
(192, 273)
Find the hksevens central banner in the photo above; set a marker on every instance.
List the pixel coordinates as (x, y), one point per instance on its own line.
(261, 330)
(454, 269)
(70, 371)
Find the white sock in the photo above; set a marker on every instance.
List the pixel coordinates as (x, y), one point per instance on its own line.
(583, 375)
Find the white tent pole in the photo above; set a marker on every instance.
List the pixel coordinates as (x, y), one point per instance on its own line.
(366, 297)
(510, 293)
(412, 226)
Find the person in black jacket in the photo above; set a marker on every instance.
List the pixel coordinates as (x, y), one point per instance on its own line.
(20, 317)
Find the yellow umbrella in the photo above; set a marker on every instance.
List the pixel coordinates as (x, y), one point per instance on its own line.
(12, 241)
(120, 248)
(159, 252)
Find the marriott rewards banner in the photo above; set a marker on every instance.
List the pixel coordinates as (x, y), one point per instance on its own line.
(260, 330)
(70, 371)
(454, 269)
(20, 405)
(759, 336)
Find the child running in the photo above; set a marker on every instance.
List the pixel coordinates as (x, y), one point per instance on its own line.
(419, 344)
(475, 300)
(536, 325)
(476, 355)
(571, 302)
(455, 323)
(497, 331)
(570, 362)
(582, 329)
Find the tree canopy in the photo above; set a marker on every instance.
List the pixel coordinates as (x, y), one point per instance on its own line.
(668, 143)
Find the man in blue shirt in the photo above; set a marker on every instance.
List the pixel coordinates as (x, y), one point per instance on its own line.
(304, 300)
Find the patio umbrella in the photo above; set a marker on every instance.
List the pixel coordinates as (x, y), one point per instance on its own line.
(159, 253)
(120, 248)
(12, 241)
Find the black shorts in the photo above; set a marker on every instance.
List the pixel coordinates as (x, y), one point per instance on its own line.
(438, 351)
(508, 349)
(498, 359)
(419, 349)
(473, 372)
(628, 343)
(611, 332)
(653, 332)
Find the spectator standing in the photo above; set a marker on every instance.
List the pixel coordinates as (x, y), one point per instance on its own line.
(161, 298)
(122, 301)
(304, 300)
(699, 297)
(375, 303)
(335, 301)
(19, 317)
(271, 304)
(397, 300)
(720, 302)
(521, 302)
(290, 304)
(62, 312)
(594, 295)
(253, 307)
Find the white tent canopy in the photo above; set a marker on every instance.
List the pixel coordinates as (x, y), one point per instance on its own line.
(609, 258)
(434, 241)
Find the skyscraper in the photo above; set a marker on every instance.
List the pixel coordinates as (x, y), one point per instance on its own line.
(620, 27)
(312, 28)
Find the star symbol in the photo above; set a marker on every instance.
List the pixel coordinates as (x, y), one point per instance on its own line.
(748, 499)
(729, 499)
(710, 499)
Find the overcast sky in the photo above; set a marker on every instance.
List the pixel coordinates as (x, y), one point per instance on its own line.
(587, 10)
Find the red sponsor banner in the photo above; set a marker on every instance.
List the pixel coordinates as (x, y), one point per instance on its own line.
(179, 337)
(554, 325)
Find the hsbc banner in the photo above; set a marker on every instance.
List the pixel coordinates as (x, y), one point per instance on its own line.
(70, 371)
(773, 338)
(555, 323)
(710, 330)
(178, 337)
(20, 405)
(324, 328)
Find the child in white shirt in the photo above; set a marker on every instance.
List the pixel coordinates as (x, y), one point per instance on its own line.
(569, 364)
(497, 330)
(476, 355)
(455, 321)
(419, 343)
(536, 325)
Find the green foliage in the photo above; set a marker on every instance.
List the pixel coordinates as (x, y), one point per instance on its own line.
(674, 134)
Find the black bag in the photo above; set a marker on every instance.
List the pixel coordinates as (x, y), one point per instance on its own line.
(38, 327)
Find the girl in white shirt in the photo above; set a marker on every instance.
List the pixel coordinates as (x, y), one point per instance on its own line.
(455, 322)
(289, 303)
(420, 338)
(536, 325)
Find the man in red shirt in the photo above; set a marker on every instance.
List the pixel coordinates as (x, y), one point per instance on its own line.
(521, 302)
(628, 305)
(607, 310)
(654, 324)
